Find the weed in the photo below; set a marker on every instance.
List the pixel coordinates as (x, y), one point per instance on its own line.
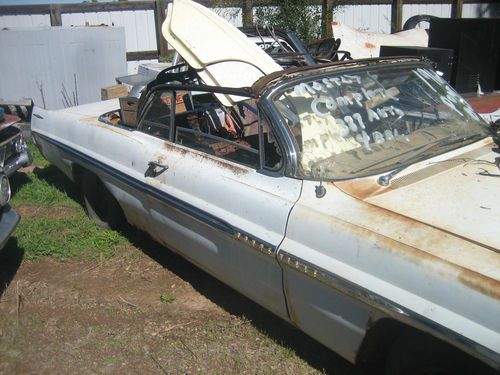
(66, 238)
(46, 186)
(38, 159)
(165, 298)
(73, 234)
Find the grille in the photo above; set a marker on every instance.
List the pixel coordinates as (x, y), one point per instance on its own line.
(436, 168)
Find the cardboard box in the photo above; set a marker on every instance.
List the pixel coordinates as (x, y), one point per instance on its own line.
(115, 91)
(128, 111)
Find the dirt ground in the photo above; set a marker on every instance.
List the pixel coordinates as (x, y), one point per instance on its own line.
(145, 310)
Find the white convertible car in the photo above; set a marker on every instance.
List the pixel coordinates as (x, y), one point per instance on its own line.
(357, 200)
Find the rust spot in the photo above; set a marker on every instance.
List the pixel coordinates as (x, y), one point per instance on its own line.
(413, 252)
(203, 157)
(161, 159)
(236, 169)
(485, 104)
(369, 45)
(484, 285)
(174, 148)
(92, 120)
(361, 188)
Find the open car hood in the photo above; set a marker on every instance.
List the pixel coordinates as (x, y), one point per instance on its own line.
(222, 53)
(459, 195)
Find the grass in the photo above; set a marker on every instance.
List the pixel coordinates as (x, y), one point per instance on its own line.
(166, 298)
(66, 238)
(38, 158)
(64, 231)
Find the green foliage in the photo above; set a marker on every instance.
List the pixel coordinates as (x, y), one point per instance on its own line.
(301, 17)
(166, 298)
(167, 58)
(47, 186)
(38, 159)
(53, 220)
(67, 237)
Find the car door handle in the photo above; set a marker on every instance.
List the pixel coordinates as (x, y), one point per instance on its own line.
(155, 169)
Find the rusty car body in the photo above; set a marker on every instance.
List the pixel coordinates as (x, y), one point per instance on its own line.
(357, 200)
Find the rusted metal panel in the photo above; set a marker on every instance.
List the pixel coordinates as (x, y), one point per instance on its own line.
(485, 104)
(397, 257)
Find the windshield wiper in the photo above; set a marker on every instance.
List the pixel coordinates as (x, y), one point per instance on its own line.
(412, 153)
(385, 179)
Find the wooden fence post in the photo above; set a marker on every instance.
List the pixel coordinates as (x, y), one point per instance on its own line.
(396, 15)
(160, 16)
(55, 15)
(326, 18)
(247, 10)
(456, 8)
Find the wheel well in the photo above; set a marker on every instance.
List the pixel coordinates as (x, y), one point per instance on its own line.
(380, 337)
(378, 340)
(101, 205)
(77, 173)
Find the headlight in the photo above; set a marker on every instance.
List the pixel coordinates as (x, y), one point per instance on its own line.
(4, 190)
(19, 145)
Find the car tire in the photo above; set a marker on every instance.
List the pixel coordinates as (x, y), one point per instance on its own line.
(101, 205)
(419, 354)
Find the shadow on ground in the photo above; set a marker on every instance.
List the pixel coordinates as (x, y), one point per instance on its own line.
(17, 181)
(315, 354)
(11, 257)
(60, 181)
(236, 304)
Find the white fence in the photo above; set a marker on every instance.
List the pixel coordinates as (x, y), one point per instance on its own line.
(140, 31)
(139, 25)
(378, 17)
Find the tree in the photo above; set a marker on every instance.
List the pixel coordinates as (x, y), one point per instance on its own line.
(306, 18)
(327, 8)
(299, 16)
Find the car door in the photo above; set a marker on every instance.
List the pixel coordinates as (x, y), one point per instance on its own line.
(219, 201)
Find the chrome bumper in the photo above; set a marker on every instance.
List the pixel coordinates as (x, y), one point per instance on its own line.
(8, 222)
(23, 159)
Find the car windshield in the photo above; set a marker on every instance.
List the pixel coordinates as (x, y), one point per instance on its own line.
(368, 121)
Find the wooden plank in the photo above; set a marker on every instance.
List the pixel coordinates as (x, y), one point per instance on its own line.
(55, 15)
(10, 10)
(14, 10)
(160, 16)
(396, 15)
(456, 8)
(143, 55)
(108, 7)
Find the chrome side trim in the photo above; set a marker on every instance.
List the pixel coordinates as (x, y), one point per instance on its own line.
(165, 198)
(259, 245)
(392, 309)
